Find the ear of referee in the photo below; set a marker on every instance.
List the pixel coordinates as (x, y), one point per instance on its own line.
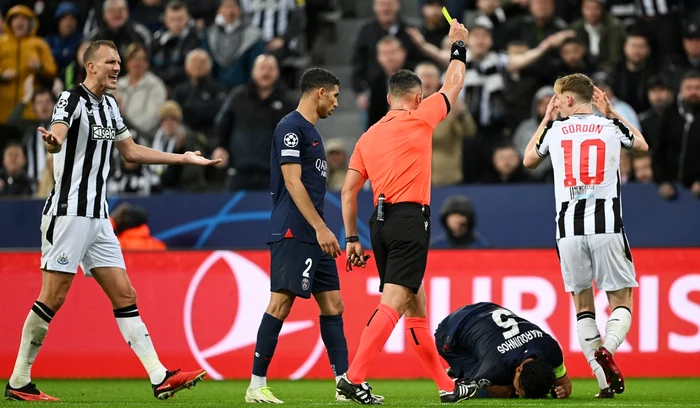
(395, 155)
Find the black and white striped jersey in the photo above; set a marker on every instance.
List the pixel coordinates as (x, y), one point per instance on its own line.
(271, 16)
(585, 151)
(82, 166)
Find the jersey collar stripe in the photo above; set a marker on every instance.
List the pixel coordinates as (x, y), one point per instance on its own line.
(90, 146)
(71, 145)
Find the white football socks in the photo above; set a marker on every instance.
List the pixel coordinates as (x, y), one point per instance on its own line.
(589, 338)
(33, 333)
(134, 331)
(617, 327)
(257, 382)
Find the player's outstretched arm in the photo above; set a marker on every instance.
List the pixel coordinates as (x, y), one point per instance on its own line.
(135, 153)
(563, 387)
(291, 172)
(54, 138)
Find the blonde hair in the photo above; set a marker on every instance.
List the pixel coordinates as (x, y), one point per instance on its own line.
(578, 84)
(170, 109)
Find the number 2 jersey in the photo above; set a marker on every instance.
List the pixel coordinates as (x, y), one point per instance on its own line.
(485, 341)
(585, 151)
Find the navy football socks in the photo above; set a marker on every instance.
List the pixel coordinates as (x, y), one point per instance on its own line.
(268, 333)
(336, 345)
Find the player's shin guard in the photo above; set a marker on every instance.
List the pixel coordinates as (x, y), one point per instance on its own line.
(617, 327)
(134, 332)
(589, 338)
(423, 344)
(265, 346)
(374, 336)
(33, 333)
(337, 347)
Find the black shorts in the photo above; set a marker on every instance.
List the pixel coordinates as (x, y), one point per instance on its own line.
(301, 268)
(400, 244)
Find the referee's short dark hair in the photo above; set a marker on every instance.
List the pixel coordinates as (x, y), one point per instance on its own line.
(403, 82)
(94, 46)
(315, 78)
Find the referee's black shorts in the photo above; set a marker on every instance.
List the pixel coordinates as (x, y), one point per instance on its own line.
(400, 244)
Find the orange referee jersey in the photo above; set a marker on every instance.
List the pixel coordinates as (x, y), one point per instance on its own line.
(395, 153)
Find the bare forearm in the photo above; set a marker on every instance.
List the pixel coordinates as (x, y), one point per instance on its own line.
(454, 80)
(146, 155)
(631, 127)
(436, 54)
(518, 62)
(303, 202)
(349, 206)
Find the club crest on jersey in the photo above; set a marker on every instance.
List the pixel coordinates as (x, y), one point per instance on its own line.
(62, 259)
(305, 284)
(98, 132)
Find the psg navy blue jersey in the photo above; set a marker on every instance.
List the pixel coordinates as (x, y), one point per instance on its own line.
(296, 140)
(494, 342)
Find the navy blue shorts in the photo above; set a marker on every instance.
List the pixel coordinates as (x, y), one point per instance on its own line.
(301, 268)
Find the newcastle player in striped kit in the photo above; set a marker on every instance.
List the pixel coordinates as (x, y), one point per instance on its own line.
(75, 226)
(591, 242)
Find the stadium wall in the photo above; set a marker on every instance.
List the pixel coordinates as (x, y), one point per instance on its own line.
(512, 216)
(202, 308)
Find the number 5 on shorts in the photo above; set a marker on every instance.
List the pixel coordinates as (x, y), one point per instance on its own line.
(308, 263)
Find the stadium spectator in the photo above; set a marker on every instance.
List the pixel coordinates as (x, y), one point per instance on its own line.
(448, 134)
(458, 219)
(601, 32)
(643, 172)
(675, 157)
(245, 123)
(626, 170)
(365, 65)
(660, 95)
(392, 57)
(22, 53)
(575, 59)
(201, 96)
(65, 41)
(491, 15)
(172, 136)
(74, 73)
(535, 26)
(633, 73)
(606, 83)
(42, 9)
(528, 127)
(688, 60)
(132, 178)
(203, 12)
(149, 13)
(115, 26)
(434, 27)
(140, 93)
(337, 160)
(283, 28)
(131, 228)
(521, 85)
(45, 182)
(42, 104)
(507, 167)
(13, 179)
(172, 43)
(234, 44)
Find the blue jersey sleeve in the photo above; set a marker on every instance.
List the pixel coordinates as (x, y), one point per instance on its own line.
(288, 141)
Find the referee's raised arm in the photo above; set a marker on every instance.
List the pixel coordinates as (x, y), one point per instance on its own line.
(454, 76)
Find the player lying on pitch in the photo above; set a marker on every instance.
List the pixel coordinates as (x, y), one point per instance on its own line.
(505, 354)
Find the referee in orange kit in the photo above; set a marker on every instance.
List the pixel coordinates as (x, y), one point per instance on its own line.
(395, 155)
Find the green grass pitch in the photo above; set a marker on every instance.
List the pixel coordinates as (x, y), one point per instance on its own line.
(134, 393)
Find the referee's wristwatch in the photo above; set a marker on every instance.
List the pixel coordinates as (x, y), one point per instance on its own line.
(353, 238)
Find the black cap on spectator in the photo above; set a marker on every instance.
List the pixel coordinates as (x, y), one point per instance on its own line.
(603, 78)
(691, 31)
(658, 81)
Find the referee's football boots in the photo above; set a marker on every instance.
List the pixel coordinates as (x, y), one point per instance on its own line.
(27, 393)
(176, 381)
(360, 393)
(463, 391)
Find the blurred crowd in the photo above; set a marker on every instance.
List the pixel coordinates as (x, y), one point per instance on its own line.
(217, 75)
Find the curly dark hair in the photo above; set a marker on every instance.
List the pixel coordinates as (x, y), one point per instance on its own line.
(537, 378)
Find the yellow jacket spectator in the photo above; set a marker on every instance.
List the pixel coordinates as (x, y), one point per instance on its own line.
(22, 53)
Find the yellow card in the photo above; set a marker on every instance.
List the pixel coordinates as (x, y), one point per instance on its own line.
(447, 15)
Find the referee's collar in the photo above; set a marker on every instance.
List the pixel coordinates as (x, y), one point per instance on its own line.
(91, 93)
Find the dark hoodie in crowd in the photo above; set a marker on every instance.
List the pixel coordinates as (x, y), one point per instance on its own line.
(470, 239)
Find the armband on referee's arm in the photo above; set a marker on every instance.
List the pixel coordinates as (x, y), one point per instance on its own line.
(459, 52)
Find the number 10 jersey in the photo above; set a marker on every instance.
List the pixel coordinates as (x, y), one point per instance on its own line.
(585, 151)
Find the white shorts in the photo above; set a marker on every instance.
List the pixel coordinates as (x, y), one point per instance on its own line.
(605, 258)
(68, 241)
